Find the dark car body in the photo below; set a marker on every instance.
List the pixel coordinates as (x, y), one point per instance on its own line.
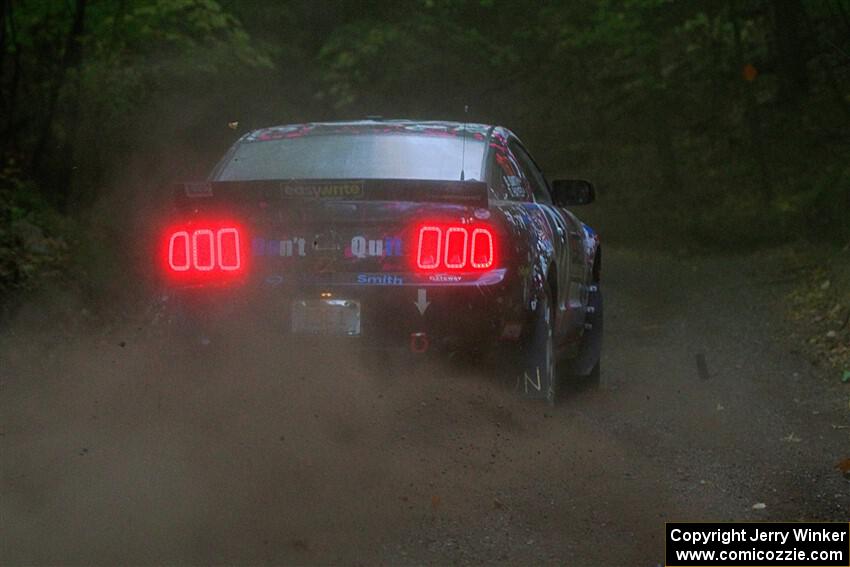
(343, 216)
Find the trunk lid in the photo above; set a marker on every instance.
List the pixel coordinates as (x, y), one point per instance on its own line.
(351, 231)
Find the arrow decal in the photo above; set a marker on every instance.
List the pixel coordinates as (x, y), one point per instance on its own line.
(421, 302)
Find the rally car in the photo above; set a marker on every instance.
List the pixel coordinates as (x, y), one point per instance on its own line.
(427, 236)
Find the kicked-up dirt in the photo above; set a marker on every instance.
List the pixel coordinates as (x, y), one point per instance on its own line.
(120, 448)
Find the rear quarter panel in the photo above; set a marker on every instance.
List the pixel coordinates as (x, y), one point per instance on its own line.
(529, 246)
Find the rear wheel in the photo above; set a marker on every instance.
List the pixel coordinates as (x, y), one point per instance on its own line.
(537, 377)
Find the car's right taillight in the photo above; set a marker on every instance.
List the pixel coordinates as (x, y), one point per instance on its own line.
(455, 247)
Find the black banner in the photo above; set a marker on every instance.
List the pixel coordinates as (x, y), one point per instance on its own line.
(759, 544)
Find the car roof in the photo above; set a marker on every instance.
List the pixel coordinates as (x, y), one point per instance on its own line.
(441, 128)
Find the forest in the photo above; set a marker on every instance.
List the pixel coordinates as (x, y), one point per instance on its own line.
(265, 411)
(705, 124)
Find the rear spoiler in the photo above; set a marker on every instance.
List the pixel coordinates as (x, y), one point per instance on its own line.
(468, 193)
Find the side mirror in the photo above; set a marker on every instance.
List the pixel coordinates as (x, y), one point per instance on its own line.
(570, 192)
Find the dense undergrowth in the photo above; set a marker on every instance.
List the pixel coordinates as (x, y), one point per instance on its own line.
(35, 240)
(819, 306)
(43, 250)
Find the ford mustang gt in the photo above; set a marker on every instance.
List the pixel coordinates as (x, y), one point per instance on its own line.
(426, 236)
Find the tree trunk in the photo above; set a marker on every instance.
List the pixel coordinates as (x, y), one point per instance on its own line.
(4, 9)
(97, 147)
(8, 35)
(70, 60)
(663, 133)
(751, 111)
(829, 75)
(845, 18)
(790, 53)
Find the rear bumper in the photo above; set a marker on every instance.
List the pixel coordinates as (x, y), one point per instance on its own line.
(448, 315)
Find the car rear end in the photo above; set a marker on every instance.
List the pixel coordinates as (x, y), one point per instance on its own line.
(351, 254)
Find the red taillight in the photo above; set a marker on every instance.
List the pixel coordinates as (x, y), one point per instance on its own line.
(428, 247)
(454, 247)
(227, 246)
(482, 248)
(205, 251)
(179, 257)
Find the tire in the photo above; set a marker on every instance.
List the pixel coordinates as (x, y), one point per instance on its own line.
(537, 377)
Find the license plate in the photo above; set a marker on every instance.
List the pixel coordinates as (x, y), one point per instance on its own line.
(326, 317)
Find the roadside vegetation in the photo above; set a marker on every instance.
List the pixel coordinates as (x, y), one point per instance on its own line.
(706, 125)
(32, 235)
(820, 305)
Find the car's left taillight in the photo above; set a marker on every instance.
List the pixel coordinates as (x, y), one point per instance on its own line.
(205, 252)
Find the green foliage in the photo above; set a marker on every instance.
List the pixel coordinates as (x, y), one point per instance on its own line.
(72, 123)
(133, 53)
(370, 64)
(33, 246)
(819, 304)
(648, 98)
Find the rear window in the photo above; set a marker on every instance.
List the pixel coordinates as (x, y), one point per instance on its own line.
(356, 156)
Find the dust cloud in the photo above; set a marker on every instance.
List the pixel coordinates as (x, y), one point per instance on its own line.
(124, 443)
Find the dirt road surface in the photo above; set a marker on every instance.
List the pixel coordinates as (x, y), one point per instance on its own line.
(138, 454)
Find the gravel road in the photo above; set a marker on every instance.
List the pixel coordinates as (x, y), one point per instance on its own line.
(115, 449)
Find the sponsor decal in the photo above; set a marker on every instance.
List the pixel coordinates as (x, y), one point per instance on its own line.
(362, 247)
(324, 190)
(286, 248)
(444, 278)
(533, 381)
(197, 189)
(515, 186)
(379, 279)
(359, 247)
